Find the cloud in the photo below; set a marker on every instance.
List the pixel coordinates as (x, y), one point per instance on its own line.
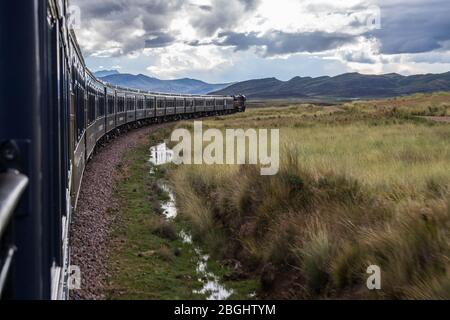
(413, 26)
(121, 27)
(159, 39)
(181, 36)
(279, 43)
(221, 14)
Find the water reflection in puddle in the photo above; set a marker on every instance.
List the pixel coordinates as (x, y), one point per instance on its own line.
(211, 286)
(169, 208)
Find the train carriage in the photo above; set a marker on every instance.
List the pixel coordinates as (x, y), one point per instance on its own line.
(78, 118)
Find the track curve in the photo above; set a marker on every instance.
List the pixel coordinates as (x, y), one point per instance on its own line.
(92, 221)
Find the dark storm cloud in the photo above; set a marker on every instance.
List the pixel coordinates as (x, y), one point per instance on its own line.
(407, 26)
(206, 8)
(159, 39)
(118, 20)
(278, 42)
(222, 14)
(413, 26)
(250, 4)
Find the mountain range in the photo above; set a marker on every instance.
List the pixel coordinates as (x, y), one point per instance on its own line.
(349, 85)
(345, 86)
(143, 82)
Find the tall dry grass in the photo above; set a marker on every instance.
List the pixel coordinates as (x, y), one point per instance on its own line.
(353, 191)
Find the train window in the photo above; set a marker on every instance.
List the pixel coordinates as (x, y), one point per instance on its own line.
(189, 103)
(140, 103)
(170, 103)
(79, 116)
(209, 103)
(180, 103)
(101, 106)
(160, 104)
(120, 104)
(199, 103)
(130, 103)
(91, 108)
(149, 102)
(110, 104)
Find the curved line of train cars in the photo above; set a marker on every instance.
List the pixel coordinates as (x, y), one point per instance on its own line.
(54, 112)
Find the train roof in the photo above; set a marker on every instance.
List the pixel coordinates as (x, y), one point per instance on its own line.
(162, 94)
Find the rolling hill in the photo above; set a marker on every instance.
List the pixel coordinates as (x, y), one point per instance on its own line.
(349, 85)
(143, 82)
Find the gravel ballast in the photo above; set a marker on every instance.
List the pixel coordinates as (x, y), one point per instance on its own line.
(92, 222)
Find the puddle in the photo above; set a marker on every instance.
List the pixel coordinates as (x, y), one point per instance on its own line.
(211, 286)
(169, 208)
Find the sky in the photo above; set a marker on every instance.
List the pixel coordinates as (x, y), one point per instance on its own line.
(223, 41)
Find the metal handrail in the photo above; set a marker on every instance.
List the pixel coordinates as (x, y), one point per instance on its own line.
(4, 271)
(12, 186)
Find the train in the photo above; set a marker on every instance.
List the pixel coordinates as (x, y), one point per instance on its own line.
(54, 113)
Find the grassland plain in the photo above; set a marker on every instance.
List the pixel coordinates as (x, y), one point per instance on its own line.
(148, 259)
(360, 184)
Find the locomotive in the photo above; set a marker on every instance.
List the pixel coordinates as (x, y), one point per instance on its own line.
(54, 112)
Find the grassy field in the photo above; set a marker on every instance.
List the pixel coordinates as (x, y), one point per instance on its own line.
(360, 184)
(148, 259)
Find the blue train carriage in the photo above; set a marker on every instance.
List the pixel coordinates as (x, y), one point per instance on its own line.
(77, 117)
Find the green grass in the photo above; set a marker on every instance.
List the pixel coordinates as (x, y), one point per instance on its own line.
(359, 184)
(148, 260)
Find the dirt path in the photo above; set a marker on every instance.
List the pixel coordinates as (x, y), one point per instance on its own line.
(91, 223)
